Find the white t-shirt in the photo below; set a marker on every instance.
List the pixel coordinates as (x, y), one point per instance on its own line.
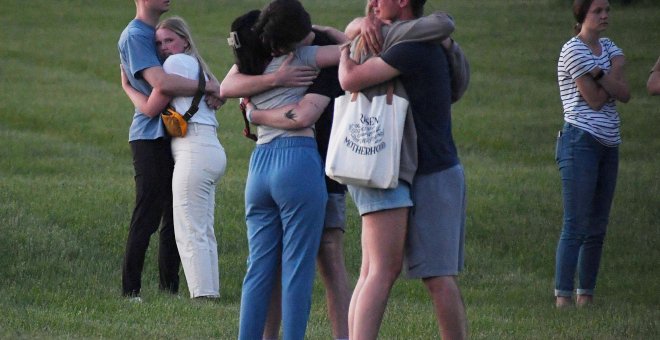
(187, 66)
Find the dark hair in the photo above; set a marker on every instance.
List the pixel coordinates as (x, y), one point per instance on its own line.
(580, 10)
(417, 7)
(282, 24)
(250, 55)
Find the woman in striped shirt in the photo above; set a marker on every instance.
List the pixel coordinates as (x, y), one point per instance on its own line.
(591, 79)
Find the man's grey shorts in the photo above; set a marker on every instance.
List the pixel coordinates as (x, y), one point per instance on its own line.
(436, 231)
(368, 200)
(335, 212)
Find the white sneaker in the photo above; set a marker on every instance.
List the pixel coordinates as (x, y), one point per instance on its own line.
(135, 299)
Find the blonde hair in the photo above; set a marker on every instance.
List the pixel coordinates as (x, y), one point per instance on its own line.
(180, 27)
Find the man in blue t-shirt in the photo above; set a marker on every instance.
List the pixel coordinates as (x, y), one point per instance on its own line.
(435, 236)
(150, 146)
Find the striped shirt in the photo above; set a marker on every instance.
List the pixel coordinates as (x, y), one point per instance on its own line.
(575, 60)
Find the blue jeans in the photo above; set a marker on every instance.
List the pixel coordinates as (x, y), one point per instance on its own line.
(588, 172)
(285, 199)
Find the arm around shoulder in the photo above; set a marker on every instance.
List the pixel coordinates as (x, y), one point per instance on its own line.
(327, 56)
(170, 84)
(354, 77)
(437, 26)
(334, 34)
(150, 106)
(353, 29)
(237, 85)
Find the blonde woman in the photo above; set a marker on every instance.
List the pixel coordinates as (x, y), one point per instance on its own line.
(199, 160)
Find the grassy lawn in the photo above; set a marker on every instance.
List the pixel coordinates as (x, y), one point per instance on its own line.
(66, 186)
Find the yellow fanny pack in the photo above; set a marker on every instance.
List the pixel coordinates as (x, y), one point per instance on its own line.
(175, 123)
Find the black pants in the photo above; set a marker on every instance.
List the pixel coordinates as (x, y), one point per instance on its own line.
(153, 163)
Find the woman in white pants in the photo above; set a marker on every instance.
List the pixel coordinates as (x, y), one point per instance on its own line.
(200, 161)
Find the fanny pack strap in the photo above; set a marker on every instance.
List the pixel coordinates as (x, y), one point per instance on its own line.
(201, 86)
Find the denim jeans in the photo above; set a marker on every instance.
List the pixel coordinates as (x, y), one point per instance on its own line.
(285, 199)
(199, 163)
(588, 172)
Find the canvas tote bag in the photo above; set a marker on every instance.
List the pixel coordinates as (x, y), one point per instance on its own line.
(365, 141)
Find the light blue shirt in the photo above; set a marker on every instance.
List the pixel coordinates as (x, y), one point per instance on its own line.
(137, 52)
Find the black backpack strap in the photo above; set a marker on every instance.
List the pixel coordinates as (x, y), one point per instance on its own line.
(201, 86)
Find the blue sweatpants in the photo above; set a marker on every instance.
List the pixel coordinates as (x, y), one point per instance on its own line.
(285, 198)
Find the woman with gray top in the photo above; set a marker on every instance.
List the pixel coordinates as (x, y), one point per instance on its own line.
(285, 194)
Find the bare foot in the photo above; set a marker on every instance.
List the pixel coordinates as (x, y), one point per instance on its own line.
(584, 300)
(563, 302)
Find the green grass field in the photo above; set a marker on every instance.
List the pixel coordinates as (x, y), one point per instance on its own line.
(66, 186)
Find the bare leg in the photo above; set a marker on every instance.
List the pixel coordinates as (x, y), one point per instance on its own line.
(383, 237)
(364, 269)
(333, 272)
(449, 307)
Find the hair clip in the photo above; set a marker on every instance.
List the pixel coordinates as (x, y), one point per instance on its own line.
(233, 40)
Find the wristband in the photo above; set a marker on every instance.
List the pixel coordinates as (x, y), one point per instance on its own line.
(599, 75)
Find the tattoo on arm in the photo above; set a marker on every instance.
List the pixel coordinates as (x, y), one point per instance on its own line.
(290, 115)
